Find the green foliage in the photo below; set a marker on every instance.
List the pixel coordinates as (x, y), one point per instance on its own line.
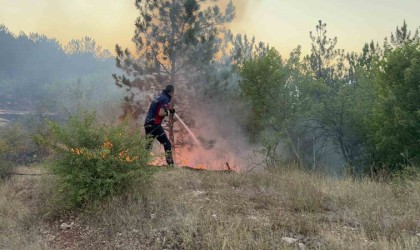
(244, 49)
(334, 113)
(271, 89)
(176, 40)
(263, 85)
(403, 181)
(325, 61)
(97, 160)
(401, 37)
(271, 145)
(363, 106)
(395, 126)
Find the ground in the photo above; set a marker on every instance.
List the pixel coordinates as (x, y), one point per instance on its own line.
(184, 209)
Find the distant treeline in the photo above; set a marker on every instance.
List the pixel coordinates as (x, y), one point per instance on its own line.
(37, 72)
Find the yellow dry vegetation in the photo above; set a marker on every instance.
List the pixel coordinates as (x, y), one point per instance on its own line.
(187, 209)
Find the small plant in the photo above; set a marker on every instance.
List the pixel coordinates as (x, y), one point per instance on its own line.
(96, 161)
(402, 181)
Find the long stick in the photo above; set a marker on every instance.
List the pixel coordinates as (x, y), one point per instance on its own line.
(189, 131)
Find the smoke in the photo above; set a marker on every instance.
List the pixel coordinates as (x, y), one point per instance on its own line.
(243, 10)
(242, 7)
(38, 75)
(224, 144)
(219, 122)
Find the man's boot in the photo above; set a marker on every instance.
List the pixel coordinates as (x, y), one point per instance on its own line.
(169, 159)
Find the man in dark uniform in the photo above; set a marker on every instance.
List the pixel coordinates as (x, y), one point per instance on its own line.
(159, 108)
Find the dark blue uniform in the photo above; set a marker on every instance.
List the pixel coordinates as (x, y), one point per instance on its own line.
(153, 124)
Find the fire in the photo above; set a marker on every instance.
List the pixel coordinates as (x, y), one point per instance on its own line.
(184, 162)
(107, 144)
(203, 160)
(202, 152)
(197, 159)
(104, 152)
(200, 166)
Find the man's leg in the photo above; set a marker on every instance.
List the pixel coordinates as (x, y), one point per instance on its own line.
(163, 139)
(148, 129)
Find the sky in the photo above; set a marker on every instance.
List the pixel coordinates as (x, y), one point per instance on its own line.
(284, 24)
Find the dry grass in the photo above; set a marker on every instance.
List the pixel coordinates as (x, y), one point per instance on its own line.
(209, 210)
(184, 209)
(20, 225)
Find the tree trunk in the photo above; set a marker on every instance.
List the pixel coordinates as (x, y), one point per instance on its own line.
(172, 57)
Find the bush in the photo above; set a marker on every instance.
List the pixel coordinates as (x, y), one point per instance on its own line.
(96, 161)
(16, 147)
(394, 127)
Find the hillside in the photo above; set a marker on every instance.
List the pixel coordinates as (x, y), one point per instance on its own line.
(303, 143)
(184, 209)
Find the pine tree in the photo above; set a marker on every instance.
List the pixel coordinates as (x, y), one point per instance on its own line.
(333, 116)
(325, 60)
(175, 41)
(403, 35)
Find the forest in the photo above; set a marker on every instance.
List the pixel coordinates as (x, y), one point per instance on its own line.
(345, 111)
(75, 111)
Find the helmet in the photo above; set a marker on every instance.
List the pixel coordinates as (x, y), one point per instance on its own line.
(169, 88)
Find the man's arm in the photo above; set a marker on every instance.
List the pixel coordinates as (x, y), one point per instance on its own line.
(162, 112)
(165, 110)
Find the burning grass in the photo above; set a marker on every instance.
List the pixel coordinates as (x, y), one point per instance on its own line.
(184, 209)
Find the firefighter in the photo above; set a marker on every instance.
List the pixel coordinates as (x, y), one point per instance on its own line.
(159, 109)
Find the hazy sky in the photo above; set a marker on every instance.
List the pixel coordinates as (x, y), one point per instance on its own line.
(282, 23)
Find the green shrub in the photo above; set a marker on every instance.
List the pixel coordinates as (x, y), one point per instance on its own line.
(96, 161)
